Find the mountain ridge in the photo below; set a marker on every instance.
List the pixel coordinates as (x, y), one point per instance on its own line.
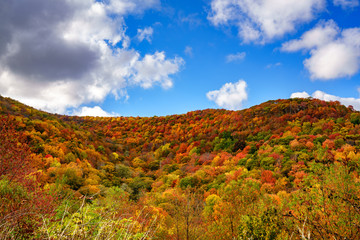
(271, 157)
(6, 101)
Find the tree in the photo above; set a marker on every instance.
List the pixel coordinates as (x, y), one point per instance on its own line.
(184, 209)
(330, 203)
(22, 202)
(14, 152)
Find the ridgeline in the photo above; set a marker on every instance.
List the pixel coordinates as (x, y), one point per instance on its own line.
(279, 170)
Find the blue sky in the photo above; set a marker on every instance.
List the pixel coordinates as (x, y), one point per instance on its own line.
(161, 57)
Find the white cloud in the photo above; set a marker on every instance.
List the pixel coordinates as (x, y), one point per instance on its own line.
(355, 102)
(92, 112)
(155, 69)
(123, 7)
(346, 3)
(334, 60)
(334, 53)
(300, 95)
(263, 20)
(145, 33)
(230, 96)
(235, 57)
(188, 51)
(322, 34)
(58, 55)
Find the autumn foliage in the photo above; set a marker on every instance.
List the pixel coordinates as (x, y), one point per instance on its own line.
(285, 169)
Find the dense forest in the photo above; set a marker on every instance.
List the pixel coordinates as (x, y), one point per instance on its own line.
(285, 169)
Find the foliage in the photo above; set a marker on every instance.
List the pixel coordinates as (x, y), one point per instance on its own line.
(285, 169)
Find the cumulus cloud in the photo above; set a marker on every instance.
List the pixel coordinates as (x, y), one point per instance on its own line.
(155, 69)
(355, 102)
(322, 34)
(300, 95)
(145, 33)
(92, 112)
(345, 4)
(334, 53)
(230, 96)
(235, 57)
(263, 20)
(57, 55)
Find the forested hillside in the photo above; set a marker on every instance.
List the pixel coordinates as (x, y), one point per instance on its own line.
(285, 169)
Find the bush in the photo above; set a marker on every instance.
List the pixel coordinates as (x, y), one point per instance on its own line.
(122, 171)
(267, 226)
(190, 181)
(355, 118)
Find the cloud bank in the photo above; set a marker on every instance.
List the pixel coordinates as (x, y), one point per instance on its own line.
(92, 112)
(230, 96)
(58, 55)
(334, 53)
(355, 102)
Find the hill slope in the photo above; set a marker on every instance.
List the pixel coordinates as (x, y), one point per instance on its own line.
(214, 174)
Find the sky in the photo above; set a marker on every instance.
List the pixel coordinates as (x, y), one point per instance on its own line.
(163, 57)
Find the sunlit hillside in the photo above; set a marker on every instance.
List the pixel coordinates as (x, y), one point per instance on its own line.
(285, 169)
